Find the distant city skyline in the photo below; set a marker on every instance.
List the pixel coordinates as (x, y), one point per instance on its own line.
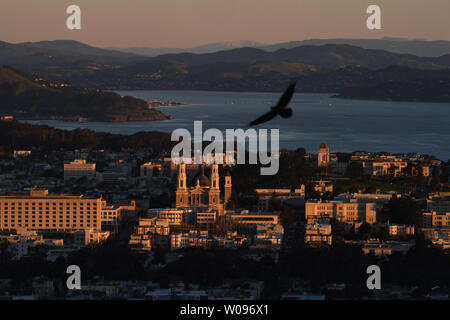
(185, 24)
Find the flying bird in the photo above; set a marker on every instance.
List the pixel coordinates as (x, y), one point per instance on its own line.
(280, 109)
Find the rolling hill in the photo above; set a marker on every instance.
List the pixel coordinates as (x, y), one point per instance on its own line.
(63, 56)
(418, 47)
(25, 97)
(327, 56)
(318, 68)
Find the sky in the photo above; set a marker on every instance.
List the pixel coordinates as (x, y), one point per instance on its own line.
(189, 23)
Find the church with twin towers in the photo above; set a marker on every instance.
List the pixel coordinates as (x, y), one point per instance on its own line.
(205, 192)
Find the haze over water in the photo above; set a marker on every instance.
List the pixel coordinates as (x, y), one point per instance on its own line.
(346, 125)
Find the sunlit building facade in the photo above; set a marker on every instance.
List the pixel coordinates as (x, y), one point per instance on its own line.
(43, 211)
(79, 168)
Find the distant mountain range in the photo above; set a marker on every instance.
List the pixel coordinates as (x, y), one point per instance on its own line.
(206, 48)
(331, 56)
(416, 47)
(318, 68)
(66, 57)
(60, 54)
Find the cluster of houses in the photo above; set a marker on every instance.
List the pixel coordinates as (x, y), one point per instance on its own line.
(113, 185)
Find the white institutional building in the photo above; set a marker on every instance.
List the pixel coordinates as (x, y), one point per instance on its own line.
(344, 211)
(79, 168)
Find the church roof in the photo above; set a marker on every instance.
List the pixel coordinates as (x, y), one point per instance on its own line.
(204, 181)
(202, 178)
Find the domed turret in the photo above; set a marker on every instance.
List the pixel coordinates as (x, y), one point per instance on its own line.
(323, 145)
(323, 156)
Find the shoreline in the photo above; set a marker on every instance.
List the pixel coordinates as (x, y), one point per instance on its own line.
(88, 120)
(281, 148)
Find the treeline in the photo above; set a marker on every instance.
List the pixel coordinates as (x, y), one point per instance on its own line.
(318, 266)
(399, 83)
(424, 265)
(396, 82)
(294, 170)
(17, 135)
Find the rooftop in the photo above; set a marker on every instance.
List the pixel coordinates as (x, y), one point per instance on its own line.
(323, 145)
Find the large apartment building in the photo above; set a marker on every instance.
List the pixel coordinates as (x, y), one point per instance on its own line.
(43, 211)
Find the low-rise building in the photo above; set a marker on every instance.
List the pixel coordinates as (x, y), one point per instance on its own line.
(379, 198)
(266, 195)
(85, 237)
(193, 238)
(271, 235)
(382, 168)
(153, 225)
(21, 153)
(244, 217)
(151, 169)
(434, 219)
(208, 217)
(173, 216)
(400, 230)
(378, 249)
(438, 236)
(110, 216)
(318, 232)
(322, 186)
(141, 241)
(79, 168)
(439, 204)
(344, 211)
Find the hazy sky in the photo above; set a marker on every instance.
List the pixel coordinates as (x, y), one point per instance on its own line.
(187, 23)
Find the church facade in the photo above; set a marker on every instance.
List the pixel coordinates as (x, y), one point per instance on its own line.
(205, 193)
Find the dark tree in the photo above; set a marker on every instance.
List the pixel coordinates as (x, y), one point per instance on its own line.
(402, 210)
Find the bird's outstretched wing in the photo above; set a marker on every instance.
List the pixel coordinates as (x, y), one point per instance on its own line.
(264, 118)
(279, 108)
(285, 113)
(286, 97)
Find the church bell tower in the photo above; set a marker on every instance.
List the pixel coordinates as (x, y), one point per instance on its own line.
(214, 190)
(182, 193)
